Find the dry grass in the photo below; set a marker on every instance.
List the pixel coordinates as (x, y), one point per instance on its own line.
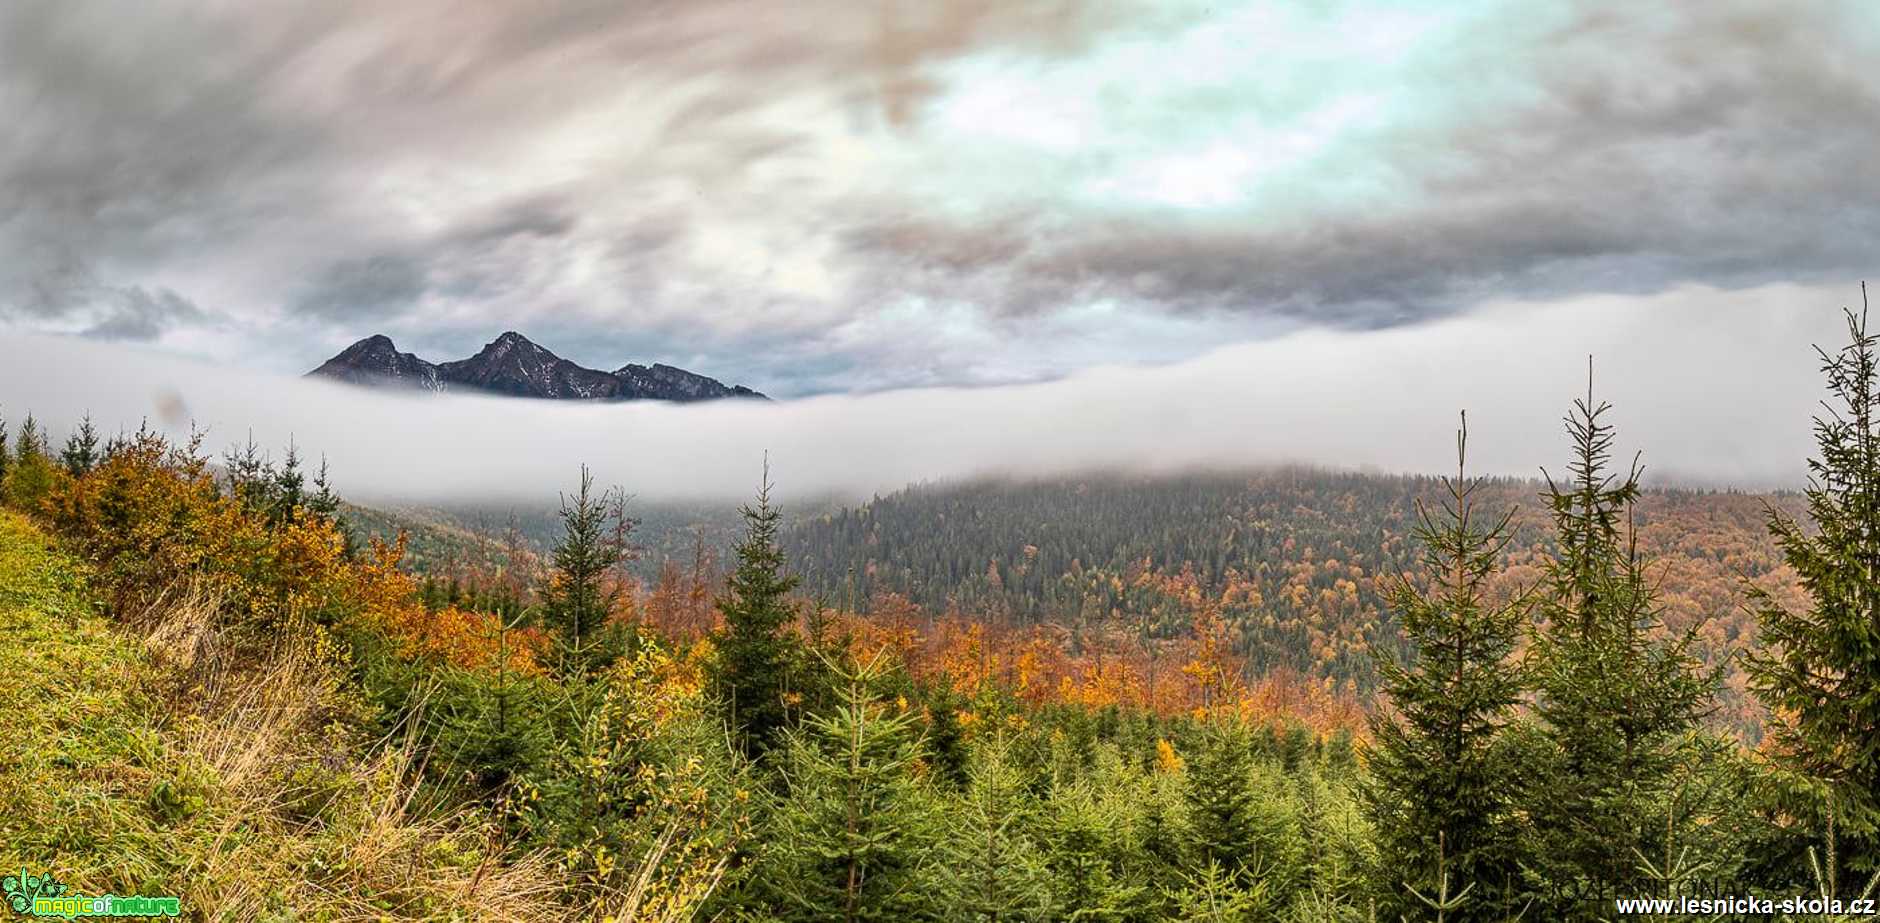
(181, 762)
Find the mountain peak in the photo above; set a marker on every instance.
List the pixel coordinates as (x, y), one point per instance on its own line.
(514, 365)
(511, 341)
(375, 360)
(377, 344)
(676, 384)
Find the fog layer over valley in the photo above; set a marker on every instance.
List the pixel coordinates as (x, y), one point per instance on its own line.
(1715, 387)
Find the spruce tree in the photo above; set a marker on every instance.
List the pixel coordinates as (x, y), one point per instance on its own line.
(32, 443)
(1618, 705)
(1214, 895)
(1222, 805)
(754, 651)
(996, 870)
(6, 460)
(250, 476)
(855, 839)
(1440, 773)
(81, 449)
(1819, 670)
(946, 739)
(290, 487)
(502, 735)
(1087, 857)
(578, 601)
(31, 475)
(323, 502)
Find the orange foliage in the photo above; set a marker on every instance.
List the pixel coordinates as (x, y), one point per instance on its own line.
(388, 596)
(151, 514)
(151, 517)
(1307, 615)
(1211, 668)
(1166, 759)
(1297, 562)
(1036, 665)
(680, 601)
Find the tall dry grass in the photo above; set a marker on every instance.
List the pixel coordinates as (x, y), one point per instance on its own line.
(297, 820)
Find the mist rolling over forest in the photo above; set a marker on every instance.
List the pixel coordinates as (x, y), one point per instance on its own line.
(1039, 461)
(1377, 401)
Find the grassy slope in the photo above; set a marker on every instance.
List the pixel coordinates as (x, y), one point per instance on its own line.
(117, 777)
(77, 742)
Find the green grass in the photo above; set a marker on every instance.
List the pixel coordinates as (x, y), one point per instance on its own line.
(164, 764)
(77, 740)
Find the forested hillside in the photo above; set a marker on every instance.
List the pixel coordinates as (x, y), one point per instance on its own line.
(1048, 549)
(1297, 561)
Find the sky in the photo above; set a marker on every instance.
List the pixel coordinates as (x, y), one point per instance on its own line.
(842, 198)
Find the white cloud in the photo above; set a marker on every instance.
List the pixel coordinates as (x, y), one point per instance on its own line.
(1714, 386)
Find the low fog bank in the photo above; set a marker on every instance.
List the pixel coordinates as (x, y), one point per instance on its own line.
(1716, 388)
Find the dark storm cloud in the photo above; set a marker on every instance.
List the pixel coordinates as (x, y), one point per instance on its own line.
(772, 194)
(148, 136)
(462, 262)
(538, 216)
(372, 288)
(138, 314)
(67, 288)
(130, 132)
(1368, 271)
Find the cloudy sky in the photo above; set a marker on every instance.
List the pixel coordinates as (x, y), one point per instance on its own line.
(817, 198)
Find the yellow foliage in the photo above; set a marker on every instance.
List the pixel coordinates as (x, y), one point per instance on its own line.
(1166, 759)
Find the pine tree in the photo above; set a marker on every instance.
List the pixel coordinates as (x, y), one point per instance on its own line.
(250, 476)
(1440, 774)
(1222, 805)
(854, 839)
(996, 870)
(81, 449)
(31, 476)
(290, 487)
(1617, 704)
(1819, 670)
(578, 600)
(754, 652)
(31, 441)
(323, 502)
(1086, 856)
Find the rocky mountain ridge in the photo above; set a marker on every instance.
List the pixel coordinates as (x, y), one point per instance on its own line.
(515, 366)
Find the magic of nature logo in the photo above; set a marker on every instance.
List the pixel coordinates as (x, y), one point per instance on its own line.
(45, 896)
